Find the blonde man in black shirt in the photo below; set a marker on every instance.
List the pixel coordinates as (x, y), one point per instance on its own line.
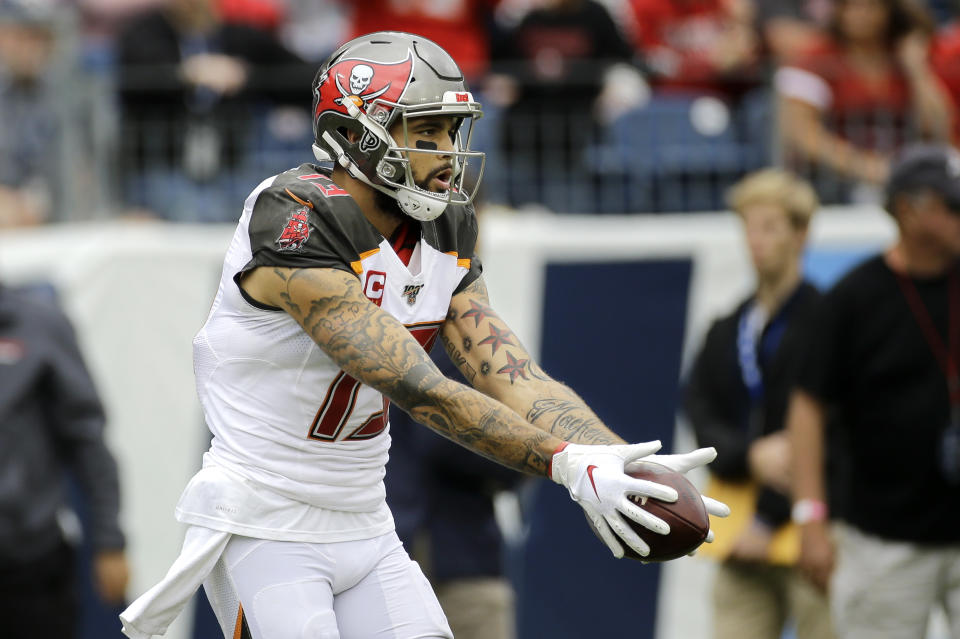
(736, 400)
(884, 362)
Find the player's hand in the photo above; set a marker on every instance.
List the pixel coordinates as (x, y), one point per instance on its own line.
(913, 52)
(222, 74)
(685, 462)
(111, 574)
(816, 553)
(595, 477)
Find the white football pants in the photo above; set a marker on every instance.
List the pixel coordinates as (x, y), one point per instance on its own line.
(368, 589)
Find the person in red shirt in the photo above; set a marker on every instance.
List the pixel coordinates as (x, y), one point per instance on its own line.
(853, 101)
(701, 46)
(946, 62)
(551, 70)
(459, 26)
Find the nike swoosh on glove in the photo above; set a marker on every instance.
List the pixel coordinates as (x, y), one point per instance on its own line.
(686, 462)
(595, 477)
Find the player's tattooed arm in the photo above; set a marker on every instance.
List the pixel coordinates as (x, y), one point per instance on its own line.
(373, 347)
(492, 358)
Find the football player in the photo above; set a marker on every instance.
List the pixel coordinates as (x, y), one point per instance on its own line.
(335, 285)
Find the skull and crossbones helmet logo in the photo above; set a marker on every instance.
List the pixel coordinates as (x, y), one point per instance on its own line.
(360, 78)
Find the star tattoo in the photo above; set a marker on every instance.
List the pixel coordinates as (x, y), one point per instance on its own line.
(514, 368)
(498, 337)
(485, 368)
(478, 312)
(467, 344)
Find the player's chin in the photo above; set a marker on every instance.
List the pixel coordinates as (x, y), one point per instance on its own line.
(437, 182)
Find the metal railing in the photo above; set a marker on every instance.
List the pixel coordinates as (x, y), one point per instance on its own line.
(674, 153)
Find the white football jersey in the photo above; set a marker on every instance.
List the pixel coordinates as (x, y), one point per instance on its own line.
(285, 419)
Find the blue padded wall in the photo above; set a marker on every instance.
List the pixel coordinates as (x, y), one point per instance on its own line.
(614, 332)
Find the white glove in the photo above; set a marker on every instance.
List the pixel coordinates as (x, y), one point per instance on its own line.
(688, 461)
(595, 478)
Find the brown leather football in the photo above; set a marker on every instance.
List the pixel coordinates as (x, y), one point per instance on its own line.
(687, 517)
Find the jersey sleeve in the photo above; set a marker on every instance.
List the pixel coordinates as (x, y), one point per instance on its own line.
(808, 79)
(297, 230)
(467, 233)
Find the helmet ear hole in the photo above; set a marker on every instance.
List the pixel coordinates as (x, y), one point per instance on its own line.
(390, 170)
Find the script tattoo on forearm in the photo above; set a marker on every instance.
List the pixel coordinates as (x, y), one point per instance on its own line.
(458, 359)
(371, 346)
(490, 436)
(495, 434)
(570, 420)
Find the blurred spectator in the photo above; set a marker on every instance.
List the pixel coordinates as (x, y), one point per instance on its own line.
(100, 22)
(462, 27)
(737, 400)
(698, 46)
(193, 90)
(946, 62)
(314, 29)
(268, 15)
(51, 421)
(943, 11)
(441, 496)
(550, 71)
(850, 104)
(30, 137)
(791, 28)
(885, 358)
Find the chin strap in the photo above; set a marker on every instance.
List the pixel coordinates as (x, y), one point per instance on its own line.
(419, 207)
(320, 154)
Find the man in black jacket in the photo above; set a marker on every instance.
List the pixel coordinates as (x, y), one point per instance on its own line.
(51, 420)
(737, 399)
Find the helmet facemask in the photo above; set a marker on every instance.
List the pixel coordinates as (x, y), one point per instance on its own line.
(395, 170)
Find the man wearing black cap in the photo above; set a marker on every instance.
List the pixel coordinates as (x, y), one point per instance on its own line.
(885, 362)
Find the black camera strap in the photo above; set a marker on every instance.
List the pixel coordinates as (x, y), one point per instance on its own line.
(946, 354)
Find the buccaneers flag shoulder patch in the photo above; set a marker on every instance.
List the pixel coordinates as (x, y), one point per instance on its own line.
(296, 232)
